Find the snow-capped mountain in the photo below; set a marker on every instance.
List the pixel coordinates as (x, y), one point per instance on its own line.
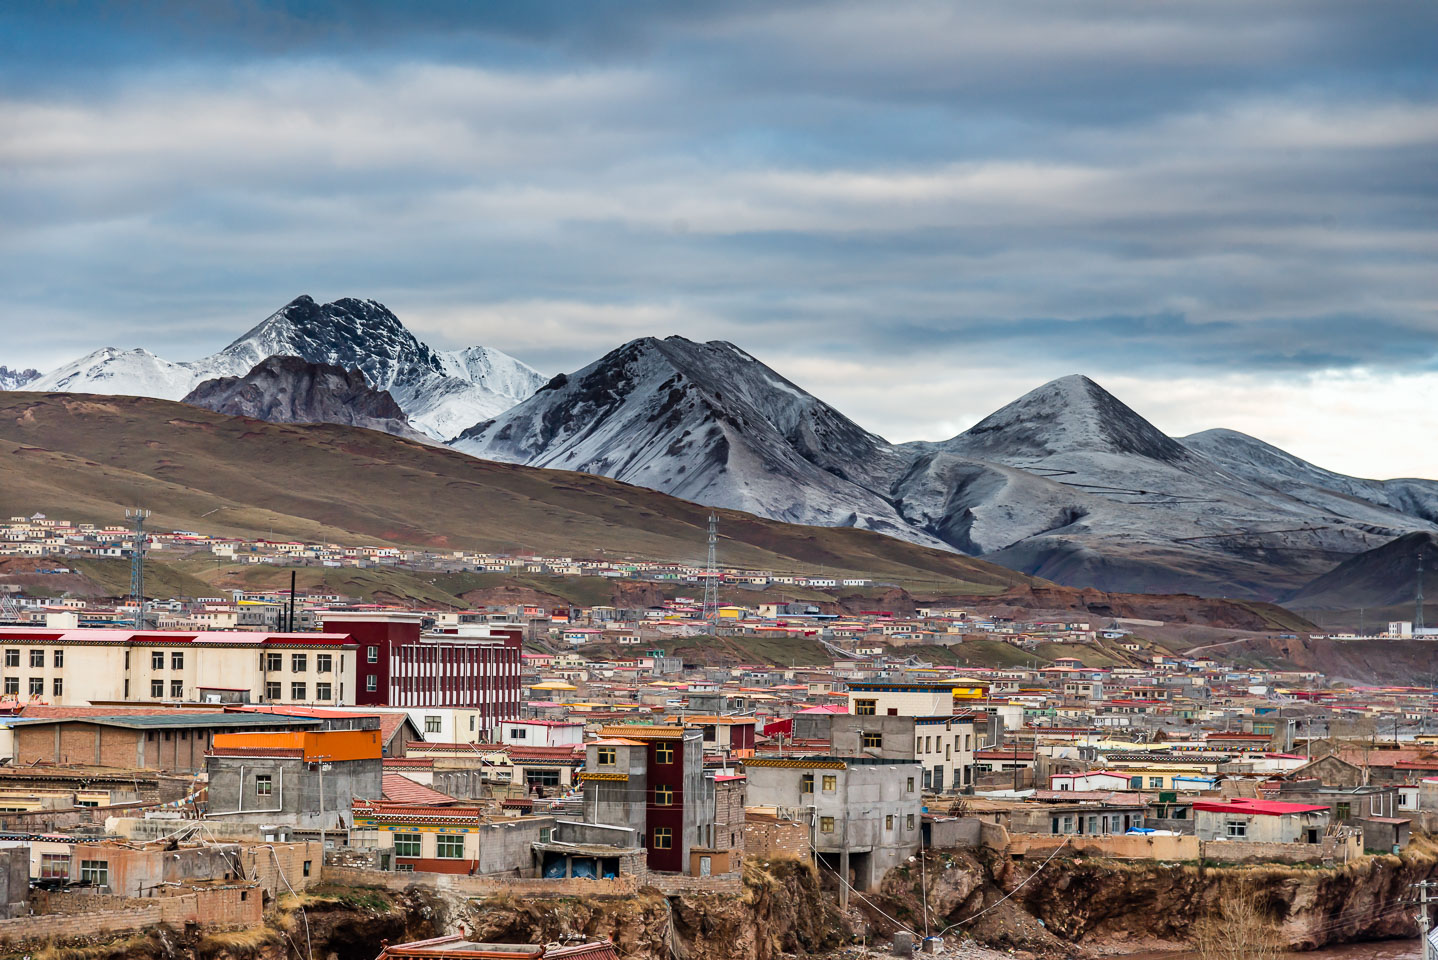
(16, 379)
(1066, 482)
(703, 421)
(440, 392)
(293, 390)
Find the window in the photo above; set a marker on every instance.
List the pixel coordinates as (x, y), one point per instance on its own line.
(157, 688)
(37, 658)
(59, 658)
(263, 786)
(59, 686)
(433, 724)
(299, 662)
(12, 685)
(371, 683)
(272, 691)
(274, 661)
(12, 658)
(1344, 811)
(806, 783)
(928, 744)
(324, 691)
(545, 833)
(831, 783)
(519, 733)
(449, 846)
(664, 795)
(177, 688)
(324, 662)
(471, 723)
(909, 787)
(966, 741)
(406, 844)
(664, 753)
(307, 868)
(371, 654)
(873, 741)
(607, 756)
(1155, 781)
(37, 686)
(297, 691)
(663, 838)
(157, 659)
(54, 866)
(888, 821)
(910, 822)
(826, 824)
(865, 708)
(1236, 828)
(1135, 783)
(177, 661)
(96, 872)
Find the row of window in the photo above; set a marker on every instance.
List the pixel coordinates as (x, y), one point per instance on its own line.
(608, 756)
(299, 662)
(446, 846)
(831, 783)
(36, 686)
(298, 691)
(826, 824)
(37, 658)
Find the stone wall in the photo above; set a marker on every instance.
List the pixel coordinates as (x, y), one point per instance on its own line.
(215, 907)
(769, 837)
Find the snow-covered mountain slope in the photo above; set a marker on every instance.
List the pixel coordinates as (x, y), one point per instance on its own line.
(1066, 482)
(16, 379)
(703, 421)
(441, 393)
(294, 390)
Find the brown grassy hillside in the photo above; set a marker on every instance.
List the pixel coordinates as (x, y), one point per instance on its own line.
(87, 457)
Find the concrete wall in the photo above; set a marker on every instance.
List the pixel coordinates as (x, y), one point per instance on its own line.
(294, 799)
(1261, 828)
(14, 881)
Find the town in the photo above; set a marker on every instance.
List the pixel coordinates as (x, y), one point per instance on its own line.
(204, 760)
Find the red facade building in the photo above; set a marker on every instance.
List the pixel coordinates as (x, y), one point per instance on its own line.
(399, 666)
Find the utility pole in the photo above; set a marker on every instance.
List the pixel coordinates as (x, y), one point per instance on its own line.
(1423, 923)
(137, 516)
(1418, 600)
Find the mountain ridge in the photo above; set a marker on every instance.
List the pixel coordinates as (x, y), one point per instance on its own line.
(440, 392)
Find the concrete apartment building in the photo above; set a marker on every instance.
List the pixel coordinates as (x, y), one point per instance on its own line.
(943, 745)
(77, 667)
(863, 812)
(650, 779)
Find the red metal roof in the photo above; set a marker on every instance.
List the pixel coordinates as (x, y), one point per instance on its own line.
(1270, 808)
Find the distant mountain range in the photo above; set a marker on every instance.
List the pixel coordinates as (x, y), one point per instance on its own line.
(1066, 483)
(442, 392)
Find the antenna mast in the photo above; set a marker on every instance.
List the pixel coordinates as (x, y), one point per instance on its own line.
(137, 516)
(711, 576)
(1418, 601)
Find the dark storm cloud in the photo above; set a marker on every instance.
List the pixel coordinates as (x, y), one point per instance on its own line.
(1197, 187)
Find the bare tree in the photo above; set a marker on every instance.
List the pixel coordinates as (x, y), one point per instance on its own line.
(1243, 932)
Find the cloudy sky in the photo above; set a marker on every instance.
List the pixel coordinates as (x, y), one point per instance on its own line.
(1227, 213)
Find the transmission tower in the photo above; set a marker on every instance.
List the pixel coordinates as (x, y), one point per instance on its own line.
(711, 576)
(137, 516)
(1418, 601)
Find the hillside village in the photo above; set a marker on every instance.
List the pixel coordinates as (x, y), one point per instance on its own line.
(598, 749)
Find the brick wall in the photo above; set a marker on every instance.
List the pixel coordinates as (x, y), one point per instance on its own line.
(272, 864)
(671, 884)
(776, 838)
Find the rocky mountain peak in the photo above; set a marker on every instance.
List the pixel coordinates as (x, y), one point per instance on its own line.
(1070, 414)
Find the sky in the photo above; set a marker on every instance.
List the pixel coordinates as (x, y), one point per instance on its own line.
(1224, 212)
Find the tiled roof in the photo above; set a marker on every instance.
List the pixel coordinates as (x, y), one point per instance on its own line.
(397, 788)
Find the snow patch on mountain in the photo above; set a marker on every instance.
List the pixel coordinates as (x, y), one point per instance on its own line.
(17, 379)
(440, 392)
